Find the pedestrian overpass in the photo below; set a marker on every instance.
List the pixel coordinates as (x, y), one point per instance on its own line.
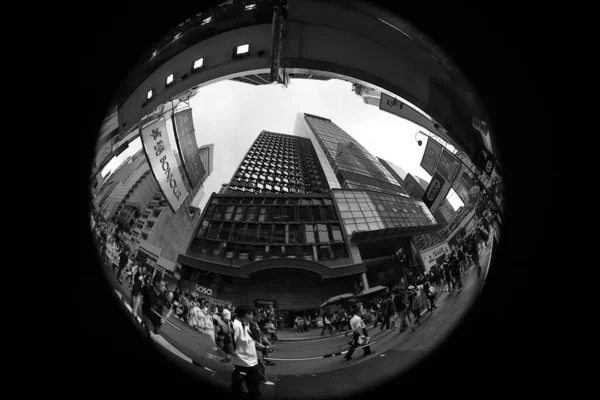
(350, 40)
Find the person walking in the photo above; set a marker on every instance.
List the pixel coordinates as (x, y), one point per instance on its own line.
(429, 290)
(474, 253)
(414, 300)
(123, 260)
(448, 275)
(136, 293)
(327, 324)
(262, 346)
(359, 337)
(244, 359)
(153, 306)
(391, 312)
(400, 306)
(131, 274)
(455, 270)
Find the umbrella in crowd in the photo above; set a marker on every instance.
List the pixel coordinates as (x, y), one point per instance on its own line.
(337, 299)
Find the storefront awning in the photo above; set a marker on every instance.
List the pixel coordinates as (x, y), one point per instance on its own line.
(166, 264)
(372, 290)
(150, 249)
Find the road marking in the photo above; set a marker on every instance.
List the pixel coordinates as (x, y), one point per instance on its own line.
(339, 353)
(163, 342)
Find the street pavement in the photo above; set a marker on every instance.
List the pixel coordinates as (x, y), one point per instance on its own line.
(298, 376)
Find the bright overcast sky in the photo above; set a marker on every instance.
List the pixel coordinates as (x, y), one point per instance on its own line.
(232, 114)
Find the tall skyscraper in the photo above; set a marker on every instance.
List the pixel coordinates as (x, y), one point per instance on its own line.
(302, 221)
(398, 173)
(207, 156)
(354, 167)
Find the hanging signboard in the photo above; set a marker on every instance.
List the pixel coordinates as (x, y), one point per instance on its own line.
(188, 147)
(433, 190)
(485, 161)
(441, 197)
(432, 153)
(163, 165)
(448, 166)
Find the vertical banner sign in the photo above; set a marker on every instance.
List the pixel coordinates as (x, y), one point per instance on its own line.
(433, 190)
(188, 148)
(441, 196)
(433, 150)
(484, 160)
(448, 166)
(162, 163)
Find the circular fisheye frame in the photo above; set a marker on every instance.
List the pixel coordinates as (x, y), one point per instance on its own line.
(271, 205)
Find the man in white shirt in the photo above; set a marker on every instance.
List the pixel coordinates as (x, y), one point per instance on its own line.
(245, 359)
(359, 333)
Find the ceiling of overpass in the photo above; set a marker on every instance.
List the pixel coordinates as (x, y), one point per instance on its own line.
(353, 16)
(224, 18)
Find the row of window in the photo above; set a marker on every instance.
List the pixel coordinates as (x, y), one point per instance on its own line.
(283, 190)
(335, 251)
(271, 214)
(266, 188)
(280, 201)
(197, 65)
(270, 233)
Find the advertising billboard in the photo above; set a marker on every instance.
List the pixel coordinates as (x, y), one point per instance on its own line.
(462, 193)
(434, 190)
(432, 256)
(163, 165)
(441, 197)
(484, 160)
(433, 150)
(188, 148)
(448, 166)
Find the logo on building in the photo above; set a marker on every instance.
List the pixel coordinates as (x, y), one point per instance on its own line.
(203, 290)
(434, 189)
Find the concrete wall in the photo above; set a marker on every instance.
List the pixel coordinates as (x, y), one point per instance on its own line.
(355, 52)
(172, 233)
(319, 36)
(144, 192)
(218, 65)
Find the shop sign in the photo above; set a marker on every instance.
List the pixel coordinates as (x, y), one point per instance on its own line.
(162, 163)
(202, 290)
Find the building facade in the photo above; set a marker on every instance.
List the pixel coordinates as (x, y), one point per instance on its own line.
(296, 220)
(354, 167)
(159, 235)
(206, 157)
(398, 173)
